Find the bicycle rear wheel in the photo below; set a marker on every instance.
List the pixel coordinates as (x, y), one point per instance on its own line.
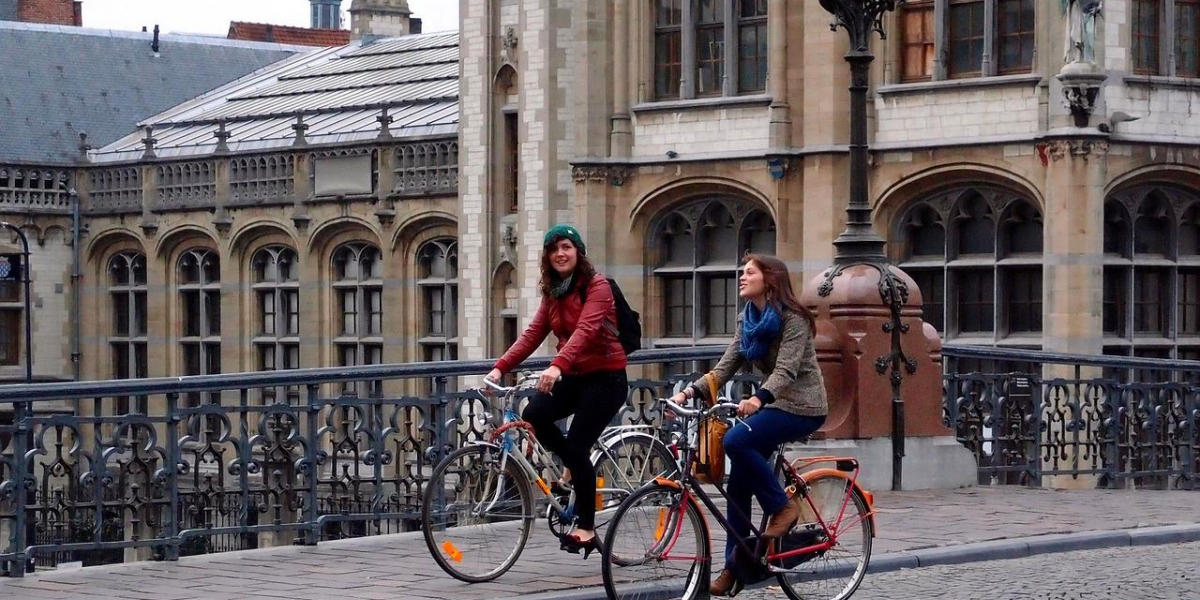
(626, 464)
(476, 517)
(657, 548)
(833, 574)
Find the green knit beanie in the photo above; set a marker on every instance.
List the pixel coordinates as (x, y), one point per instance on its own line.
(565, 232)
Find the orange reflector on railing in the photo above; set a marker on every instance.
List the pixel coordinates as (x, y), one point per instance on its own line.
(451, 551)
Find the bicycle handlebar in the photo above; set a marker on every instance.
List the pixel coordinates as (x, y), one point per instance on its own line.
(692, 413)
(497, 387)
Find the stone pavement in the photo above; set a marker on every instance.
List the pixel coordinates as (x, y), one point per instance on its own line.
(1156, 573)
(398, 567)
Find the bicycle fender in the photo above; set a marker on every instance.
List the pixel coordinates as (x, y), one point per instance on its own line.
(481, 443)
(606, 443)
(866, 494)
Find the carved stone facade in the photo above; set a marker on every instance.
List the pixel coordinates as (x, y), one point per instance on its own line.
(634, 158)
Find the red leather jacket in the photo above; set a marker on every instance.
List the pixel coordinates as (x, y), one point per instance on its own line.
(586, 340)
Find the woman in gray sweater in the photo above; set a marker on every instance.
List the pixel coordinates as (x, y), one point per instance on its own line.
(775, 334)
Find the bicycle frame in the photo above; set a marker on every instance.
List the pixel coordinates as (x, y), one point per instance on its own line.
(504, 438)
(692, 491)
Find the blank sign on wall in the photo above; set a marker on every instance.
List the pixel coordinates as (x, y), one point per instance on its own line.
(342, 175)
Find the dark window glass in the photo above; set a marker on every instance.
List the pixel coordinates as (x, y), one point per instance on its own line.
(752, 46)
(1023, 286)
(512, 137)
(932, 283)
(679, 307)
(1187, 38)
(966, 35)
(1023, 230)
(668, 43)
(721, 301)
(976, 232)
(1115, 301)
(976, 300)
(1144, 19)
(1151, 233)
(1189, 233)
(710, 46)
(1016, 36)
(12, 330)
(1150, 300)
(1116, 230)
(1189, 302)
(927, 237)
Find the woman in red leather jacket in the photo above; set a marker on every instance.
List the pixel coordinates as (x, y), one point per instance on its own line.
(587, 376)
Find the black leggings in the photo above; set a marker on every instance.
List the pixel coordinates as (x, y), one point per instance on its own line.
(594, 399)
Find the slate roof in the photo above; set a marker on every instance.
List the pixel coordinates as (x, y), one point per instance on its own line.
(339, 91)
(57, 81)
(284, 34)
(8, 10)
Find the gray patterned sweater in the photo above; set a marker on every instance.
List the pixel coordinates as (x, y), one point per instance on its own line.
(793, 379)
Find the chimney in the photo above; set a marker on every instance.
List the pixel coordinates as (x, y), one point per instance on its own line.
(379, 18)
(53, 12)
(326, 14)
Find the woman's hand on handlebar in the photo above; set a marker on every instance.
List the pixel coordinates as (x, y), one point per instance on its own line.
(749, 406)
(548, 378)
(494, 376)
(680, 399)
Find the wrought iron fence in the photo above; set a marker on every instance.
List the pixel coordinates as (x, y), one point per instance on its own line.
(213, 463)
(1127, 422)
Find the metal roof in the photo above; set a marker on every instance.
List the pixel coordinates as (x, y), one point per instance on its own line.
(57, 81)
(339, 92)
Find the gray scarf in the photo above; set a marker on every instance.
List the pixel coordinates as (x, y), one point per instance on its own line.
(561, 289)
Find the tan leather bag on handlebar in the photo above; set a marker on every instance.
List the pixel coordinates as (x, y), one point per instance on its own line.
(710, 440)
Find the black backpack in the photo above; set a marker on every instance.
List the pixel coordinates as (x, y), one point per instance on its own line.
(629, 322)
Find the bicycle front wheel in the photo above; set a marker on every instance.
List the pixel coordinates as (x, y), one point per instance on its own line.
(832, 574)
(626, 464)
(476, 514)
(657, 548)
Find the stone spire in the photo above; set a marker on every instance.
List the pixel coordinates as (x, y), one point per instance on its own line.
(386, 18)
(326, 14)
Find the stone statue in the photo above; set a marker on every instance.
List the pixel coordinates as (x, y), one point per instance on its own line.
(1081, 29)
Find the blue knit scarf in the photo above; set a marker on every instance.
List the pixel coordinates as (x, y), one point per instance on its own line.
(759, 330)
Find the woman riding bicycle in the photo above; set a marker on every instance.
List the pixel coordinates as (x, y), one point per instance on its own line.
(775, 334)
(577, 305)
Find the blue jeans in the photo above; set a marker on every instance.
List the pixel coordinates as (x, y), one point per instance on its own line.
(749, 446)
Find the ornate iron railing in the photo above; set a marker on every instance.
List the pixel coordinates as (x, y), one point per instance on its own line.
(203, 464)
(1031, 415)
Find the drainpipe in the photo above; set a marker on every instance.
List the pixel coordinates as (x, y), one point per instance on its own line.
(76, 355)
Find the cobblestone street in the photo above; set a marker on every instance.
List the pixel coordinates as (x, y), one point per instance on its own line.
(398, 567)
(1151, 573)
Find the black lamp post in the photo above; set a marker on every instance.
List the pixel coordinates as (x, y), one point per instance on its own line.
(859, 244)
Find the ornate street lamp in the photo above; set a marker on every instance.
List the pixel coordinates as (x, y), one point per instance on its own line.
(859, 244)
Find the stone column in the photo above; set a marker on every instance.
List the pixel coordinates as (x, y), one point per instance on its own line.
(1073, 277)
(621, 137)
(781, 123)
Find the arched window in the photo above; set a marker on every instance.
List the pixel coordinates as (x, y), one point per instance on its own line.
(276, 285)
(199, 287)
(437, 263)
(127, 331)
(358, 304)
(701, 246)
(1152, 273)
(976, 254)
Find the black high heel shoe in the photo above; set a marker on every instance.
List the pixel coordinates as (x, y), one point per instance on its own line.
(572, 544)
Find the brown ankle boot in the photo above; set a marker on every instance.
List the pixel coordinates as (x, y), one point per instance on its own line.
(782, 521)
(726, 584)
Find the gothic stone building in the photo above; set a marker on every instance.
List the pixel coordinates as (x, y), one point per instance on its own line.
(681, 133)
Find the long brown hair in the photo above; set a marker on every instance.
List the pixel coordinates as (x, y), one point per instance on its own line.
(778, 285)
(584, 271)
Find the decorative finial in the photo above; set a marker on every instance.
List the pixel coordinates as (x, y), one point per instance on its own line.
(385, 124)
(222, 136)
(149, 141)
(300, 127)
